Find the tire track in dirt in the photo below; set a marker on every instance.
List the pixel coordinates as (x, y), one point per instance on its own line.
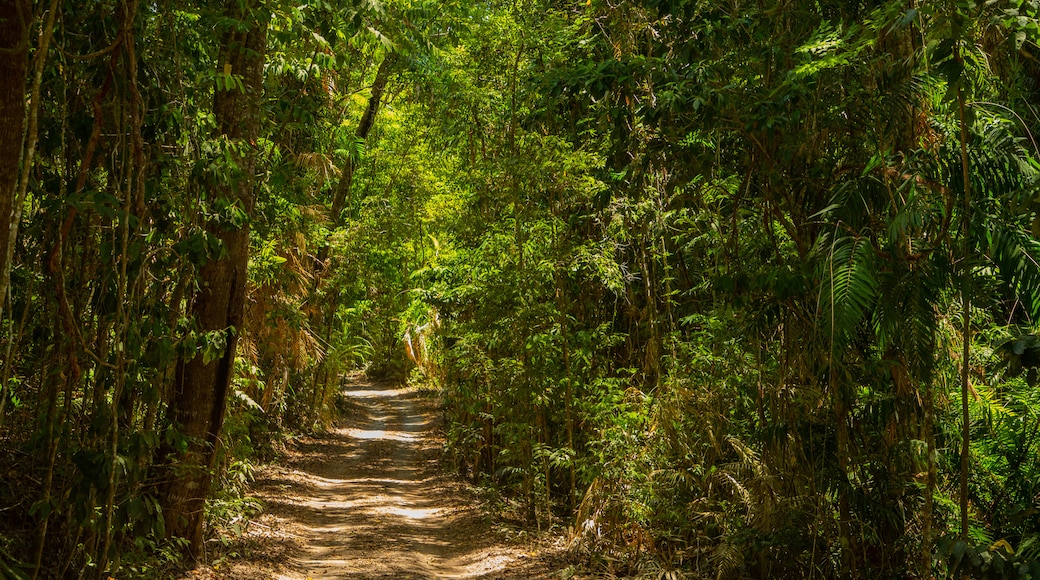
(370, 501)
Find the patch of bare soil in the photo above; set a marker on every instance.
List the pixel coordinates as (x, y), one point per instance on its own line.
(371, 500)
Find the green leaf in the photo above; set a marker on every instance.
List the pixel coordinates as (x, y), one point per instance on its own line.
(908, 17)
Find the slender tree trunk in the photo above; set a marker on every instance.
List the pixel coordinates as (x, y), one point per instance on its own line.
(200, 393)
(342, 192)
(26, 139)
(929, 494)
(339, 199)
(122, 405)
(568, 397)
(53, 440)
(848, 550)
(14, 60)
(965, 310)
(346, 180)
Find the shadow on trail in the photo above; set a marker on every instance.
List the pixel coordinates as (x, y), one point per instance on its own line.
(369, 501)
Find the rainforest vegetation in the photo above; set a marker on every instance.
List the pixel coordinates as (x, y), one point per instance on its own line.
(740, 289)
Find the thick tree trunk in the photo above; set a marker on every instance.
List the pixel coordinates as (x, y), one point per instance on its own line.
(201, 390)
(14, 58)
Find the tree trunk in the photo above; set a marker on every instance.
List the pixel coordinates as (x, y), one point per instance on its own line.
(339, 198)
(201, 390)
(14, 58)
(966, 275)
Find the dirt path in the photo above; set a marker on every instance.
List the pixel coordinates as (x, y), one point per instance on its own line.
(371, 501)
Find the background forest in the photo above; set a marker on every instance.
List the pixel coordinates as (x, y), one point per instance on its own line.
(737, 288)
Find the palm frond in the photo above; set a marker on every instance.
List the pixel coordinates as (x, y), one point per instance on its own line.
(850, 288)
(1016, 254)
(727, 559)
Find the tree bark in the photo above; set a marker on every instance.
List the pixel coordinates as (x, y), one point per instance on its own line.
(339, 198)
(966, 277)
(364, 128)
(15, 17)
(200, 393)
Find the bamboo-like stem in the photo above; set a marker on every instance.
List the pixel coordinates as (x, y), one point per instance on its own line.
(31, 138)
(965, 308)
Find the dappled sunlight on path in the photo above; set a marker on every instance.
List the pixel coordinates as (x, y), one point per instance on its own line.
(369, 501)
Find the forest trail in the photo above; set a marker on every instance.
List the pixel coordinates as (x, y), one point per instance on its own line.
(370, 500)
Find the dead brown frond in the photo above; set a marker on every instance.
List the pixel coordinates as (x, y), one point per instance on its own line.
(321, 165)
(603, 528)
(279, 340)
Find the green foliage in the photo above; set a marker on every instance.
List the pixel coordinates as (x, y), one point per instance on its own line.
(995, 561)
(686, 274)
(776, 279)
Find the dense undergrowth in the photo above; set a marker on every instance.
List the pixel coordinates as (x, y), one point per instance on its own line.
(728, 289)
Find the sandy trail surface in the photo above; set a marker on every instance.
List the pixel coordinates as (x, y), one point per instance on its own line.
(371, 500)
